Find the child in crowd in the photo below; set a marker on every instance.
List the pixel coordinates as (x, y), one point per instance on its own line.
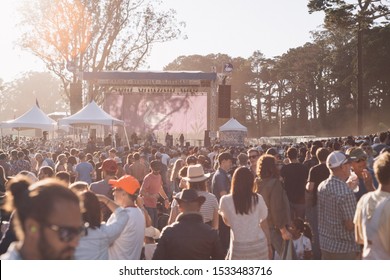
(301, 236)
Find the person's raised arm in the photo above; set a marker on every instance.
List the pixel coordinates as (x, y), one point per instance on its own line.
(108, 202)
(164, 196)
(140, 204)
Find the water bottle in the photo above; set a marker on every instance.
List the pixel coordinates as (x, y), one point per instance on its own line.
(353, 182)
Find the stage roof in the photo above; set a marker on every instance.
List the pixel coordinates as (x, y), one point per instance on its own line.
(149, 75)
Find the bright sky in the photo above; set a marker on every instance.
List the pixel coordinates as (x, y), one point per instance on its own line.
(233, 27)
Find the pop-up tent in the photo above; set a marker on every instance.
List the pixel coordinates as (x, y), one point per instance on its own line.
(232, 133)
(92, 114)
(35, 118)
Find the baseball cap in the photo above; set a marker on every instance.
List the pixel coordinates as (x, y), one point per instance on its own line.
(127, 183)
(109, 165)
(357, 153)
(337, 158)
(191, 160)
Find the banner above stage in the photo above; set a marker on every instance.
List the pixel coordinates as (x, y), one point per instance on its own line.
(151, 78)
(156, 90)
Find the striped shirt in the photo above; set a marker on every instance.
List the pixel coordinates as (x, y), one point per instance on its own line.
(209, 206)
(336, 204)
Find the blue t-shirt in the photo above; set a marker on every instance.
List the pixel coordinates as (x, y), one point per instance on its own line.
(84, 171)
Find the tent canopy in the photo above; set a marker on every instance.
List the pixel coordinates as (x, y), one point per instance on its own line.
(90, 114)
(233, 125)
(35, 118)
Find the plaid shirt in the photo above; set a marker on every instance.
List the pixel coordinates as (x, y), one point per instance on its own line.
(336, 203)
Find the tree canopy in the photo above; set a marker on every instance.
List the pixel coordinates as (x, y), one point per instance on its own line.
(310, 89)
(72, 36)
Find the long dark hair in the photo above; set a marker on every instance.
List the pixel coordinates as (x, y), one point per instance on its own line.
(243, 191)
(92, 214)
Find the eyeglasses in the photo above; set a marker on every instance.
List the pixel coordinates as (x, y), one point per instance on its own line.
(253, 156)
(67, 234)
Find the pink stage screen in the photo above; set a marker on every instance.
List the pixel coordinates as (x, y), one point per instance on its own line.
(160, 113)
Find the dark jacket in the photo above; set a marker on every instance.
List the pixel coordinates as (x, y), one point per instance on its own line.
(188, 239)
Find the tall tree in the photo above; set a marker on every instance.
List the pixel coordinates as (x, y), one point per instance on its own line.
(358, 15)
(72, 36)
(258, 86)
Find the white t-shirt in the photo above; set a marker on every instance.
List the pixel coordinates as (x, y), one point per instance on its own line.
(244, 227)
(128, 246)
(165, 159)
(301, 245)
(94, 246)
(368, 225)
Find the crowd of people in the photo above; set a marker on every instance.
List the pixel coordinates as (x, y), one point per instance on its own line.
(325, 199)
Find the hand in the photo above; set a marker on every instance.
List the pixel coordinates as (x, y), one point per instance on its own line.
(368, 182)
(286, 235)
(166, 203)
(102, 198)
(140, 202)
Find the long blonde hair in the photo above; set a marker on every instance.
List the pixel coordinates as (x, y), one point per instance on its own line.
(179, 163)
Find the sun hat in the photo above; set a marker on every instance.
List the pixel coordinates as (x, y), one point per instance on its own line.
(127, 183)
(190, 195)
(195, 173)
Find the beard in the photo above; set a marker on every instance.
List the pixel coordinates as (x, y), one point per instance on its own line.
(47, 251)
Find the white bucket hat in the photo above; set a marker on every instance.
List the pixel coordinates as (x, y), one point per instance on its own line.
(195, 173)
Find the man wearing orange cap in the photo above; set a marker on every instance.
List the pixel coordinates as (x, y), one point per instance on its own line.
(128, 245)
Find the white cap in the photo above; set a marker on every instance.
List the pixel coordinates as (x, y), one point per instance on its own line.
(336, 159)
(152, 232)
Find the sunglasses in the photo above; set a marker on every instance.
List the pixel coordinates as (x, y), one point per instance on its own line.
(254, 156)
(67, 234)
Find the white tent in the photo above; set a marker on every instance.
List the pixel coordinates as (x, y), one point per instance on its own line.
(35, 118)
(90, 115)
(233, 125)
(232, 133)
